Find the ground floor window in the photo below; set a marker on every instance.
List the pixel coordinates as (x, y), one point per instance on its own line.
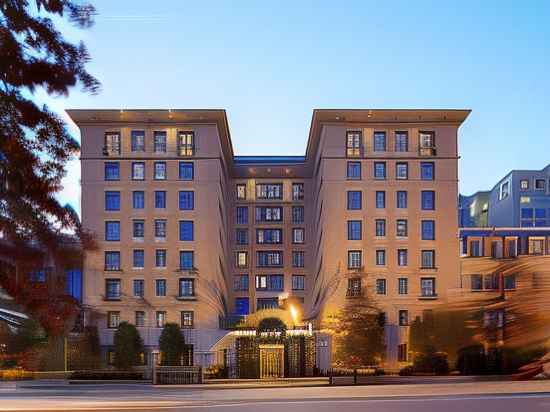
(402, 352)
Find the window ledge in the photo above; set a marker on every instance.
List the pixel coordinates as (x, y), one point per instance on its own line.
(433, 268)
(433, 297)
(186, 297)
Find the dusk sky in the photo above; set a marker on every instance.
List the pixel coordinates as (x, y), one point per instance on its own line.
(269, 64)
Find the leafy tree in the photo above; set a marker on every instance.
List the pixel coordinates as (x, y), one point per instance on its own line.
(128, 346)
(34, 142)
(172, 345)
(358, 330)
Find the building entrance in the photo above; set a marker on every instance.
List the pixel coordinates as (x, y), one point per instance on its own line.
(272, 361)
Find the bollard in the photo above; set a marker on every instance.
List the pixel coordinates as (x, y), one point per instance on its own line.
(355, 376)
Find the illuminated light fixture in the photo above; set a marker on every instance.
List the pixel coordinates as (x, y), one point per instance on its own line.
(251, 170)
(287, 171)
(337, 117)
(369, 114)
(294, 314)
(269, 170)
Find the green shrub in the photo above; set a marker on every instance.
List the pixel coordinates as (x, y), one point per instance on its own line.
(472, 361)
(431, 361)
(128, 346)
(171, 345)
(106, 375)
(406, 371)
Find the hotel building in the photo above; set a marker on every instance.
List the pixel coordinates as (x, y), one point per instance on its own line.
(190, 233)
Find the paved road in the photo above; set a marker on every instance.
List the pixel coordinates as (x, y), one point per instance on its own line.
(486, 397)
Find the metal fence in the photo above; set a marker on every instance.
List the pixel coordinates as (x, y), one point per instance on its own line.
(177, 375)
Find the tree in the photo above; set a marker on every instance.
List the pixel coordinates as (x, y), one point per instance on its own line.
(358, 330)
(35, 145)
(172, 345)
(128, 346)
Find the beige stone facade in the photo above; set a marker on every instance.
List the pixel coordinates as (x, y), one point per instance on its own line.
(269, 230)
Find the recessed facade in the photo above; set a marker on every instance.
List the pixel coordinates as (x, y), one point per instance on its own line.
(190, 233)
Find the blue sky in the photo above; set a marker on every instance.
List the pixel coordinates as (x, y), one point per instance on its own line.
(270, 63)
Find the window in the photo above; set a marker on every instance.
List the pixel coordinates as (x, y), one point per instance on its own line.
(401, 142)
(113, 319)
(241, 237)
(139, 288)
(112, 231)
(138, 258)
(269, 191)
(380, 199)
(401, 198)
(160, 170)
(267, 303)
(112, 143)
(269, 236)
(403, 318)
(160, 318)
(380, 227)
(241, 259)
(270, 282)
(401, 228)
(242, 215)
(112, 260)
(402, 257)
(354, 171)
(159, 141)
(187, 288)
(354, 287)
(297, 214)
(354, 259)
(428, 259)
(270, 259)
(380, 170)
(540, 184)
(187, 200)
(476, 282)
(187, 260)
(402, 353)
(510, 282)
(490, 282)
(428, 230)
(160, 258)
(427, 287)
(138, 229)
(240, 283)
(269, 214)
(403, 286)
(353, 143)
(187, 319)
(112, 289)
(427, 171)
(186, 230)
(298, 259)
(140, 319)
(138, 140)
(186, 171)
(186, 143)
(354, 230)
(427, 140)
(160, 199)
(112, 171)
(242, 306)
(298, 235)
(138, 199)
(402, 170)
(428, 200)
(504, 190)
(298, 282)
(379, 141)
(524, 184)
(297, 191)
(380, 257)
(354, 200)
(241, 192)
(138, 171)
(160, 228)
(112, 201)
(380, 286)
(160, 287)
(536, 246)
(475, 248)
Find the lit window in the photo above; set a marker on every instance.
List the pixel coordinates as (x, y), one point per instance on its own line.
(241, 192)
(160, 318)
(112, 143)
(241, 259)
(524, 184)
(297, 235)
(401, 228)
(402, 171)
(354, 259)
(113, 320)
(160, 170)
(187, 287)
(160, 228)
(297, 191)
(187, 319)
(186, 143)
(138, 171)
(353, 143)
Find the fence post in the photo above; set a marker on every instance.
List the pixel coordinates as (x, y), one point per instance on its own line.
(355, 376)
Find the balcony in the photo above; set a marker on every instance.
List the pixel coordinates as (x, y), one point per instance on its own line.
(427, 151)
(354, 293)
